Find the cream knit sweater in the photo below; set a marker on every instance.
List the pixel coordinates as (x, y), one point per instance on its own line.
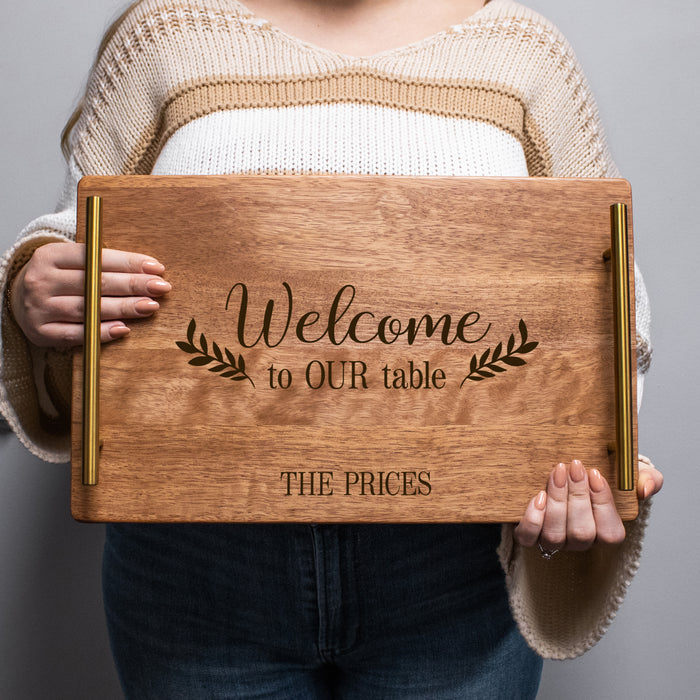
(206, 87)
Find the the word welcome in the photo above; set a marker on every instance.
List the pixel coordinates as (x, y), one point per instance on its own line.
(339, 324)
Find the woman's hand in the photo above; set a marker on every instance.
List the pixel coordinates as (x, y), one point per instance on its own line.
(578, 509)
(650, 478)
(47, 296)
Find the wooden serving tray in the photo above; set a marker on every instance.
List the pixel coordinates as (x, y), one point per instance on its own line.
(355, 348)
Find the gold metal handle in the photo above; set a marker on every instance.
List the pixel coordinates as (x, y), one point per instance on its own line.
(623, 347)
(91, 351)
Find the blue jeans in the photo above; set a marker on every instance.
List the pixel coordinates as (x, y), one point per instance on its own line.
(313, 611)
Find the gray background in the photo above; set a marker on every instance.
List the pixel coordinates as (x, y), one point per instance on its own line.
(642, 59)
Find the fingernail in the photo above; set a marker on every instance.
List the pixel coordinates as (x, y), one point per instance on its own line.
(119, 331)
(560, 475)
(596, 480)
(158, 286)
(153, 267)
(578, 473)
(541, 500)
(146, 307)
(648, 488)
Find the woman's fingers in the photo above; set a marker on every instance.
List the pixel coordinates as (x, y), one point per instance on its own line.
(57, 269)
(528, 530)
(580, 524)
(577, 510)
(71, 309)
(47, 298)
(650, 478)
(71, 256)
(65, 325)
(609, 527)
(122, 284)
(68, 335)
(116, 284)
(123, 261)
(554, 527)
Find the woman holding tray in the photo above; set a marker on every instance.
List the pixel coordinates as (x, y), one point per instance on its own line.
(307, 86)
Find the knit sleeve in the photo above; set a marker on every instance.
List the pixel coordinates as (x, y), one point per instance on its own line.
(120, 128)
(563, 606)
(565, 138)
(35, 382)
(115, 135)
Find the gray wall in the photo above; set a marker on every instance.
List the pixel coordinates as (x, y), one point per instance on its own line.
(642, 58)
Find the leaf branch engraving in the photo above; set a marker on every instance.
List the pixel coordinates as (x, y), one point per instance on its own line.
(231, 367)
(489, 363)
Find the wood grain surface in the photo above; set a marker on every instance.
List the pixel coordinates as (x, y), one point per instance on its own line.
(314, 360)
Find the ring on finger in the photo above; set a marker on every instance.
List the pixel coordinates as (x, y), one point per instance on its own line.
(546, 553)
